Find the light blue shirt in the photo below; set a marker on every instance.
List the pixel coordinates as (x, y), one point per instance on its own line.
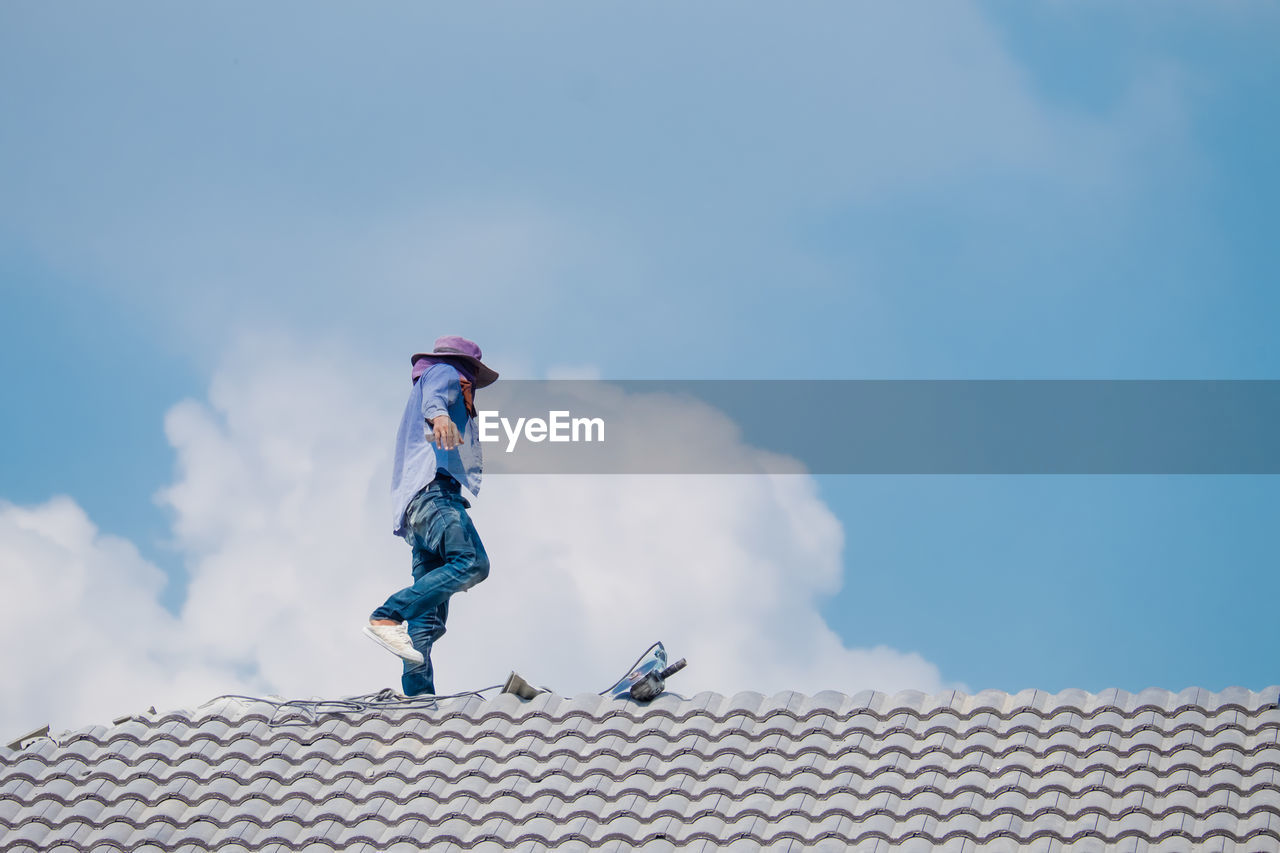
(436, 392)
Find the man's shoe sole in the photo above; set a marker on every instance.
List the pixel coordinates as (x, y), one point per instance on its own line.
(417, 655)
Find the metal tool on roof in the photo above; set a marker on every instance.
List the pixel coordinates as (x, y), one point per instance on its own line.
(648, 677)
(644, 682)
(517, 685)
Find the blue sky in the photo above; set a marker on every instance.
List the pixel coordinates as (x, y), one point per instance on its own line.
(991, 190)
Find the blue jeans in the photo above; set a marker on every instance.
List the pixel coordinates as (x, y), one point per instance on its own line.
(448, 557)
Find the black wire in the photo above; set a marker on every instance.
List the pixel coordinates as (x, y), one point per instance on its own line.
(353, 704)
(383, 698)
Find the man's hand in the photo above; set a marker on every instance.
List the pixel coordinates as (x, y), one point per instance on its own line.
(444, 434)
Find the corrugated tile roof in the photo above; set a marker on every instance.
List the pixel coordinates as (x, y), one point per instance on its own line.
(871, 772)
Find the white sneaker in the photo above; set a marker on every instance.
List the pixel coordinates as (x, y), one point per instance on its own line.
(395, 639)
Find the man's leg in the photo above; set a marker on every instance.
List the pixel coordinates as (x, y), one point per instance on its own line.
(441, 527)
(424, 632)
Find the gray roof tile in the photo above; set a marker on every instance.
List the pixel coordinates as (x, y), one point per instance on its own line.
(1153, 770)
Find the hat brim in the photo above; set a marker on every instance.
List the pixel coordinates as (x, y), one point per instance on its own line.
(485, 375)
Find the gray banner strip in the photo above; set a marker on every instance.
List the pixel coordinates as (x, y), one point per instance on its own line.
(882, 427)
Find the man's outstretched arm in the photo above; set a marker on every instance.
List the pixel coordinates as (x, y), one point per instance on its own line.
(440, 391)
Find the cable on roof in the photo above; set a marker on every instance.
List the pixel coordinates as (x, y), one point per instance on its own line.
(312, 708)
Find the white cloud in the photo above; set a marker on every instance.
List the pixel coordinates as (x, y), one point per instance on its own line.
(587, 570)
(280, 510)
(84, 636)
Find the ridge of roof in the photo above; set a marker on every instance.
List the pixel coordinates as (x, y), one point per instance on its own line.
(872, 701)
(677, 707)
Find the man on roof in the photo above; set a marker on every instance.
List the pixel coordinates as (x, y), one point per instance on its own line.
(437, 453)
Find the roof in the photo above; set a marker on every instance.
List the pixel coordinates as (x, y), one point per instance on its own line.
(871, 772)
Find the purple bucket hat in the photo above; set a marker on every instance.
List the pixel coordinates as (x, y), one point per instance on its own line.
(454, 346)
